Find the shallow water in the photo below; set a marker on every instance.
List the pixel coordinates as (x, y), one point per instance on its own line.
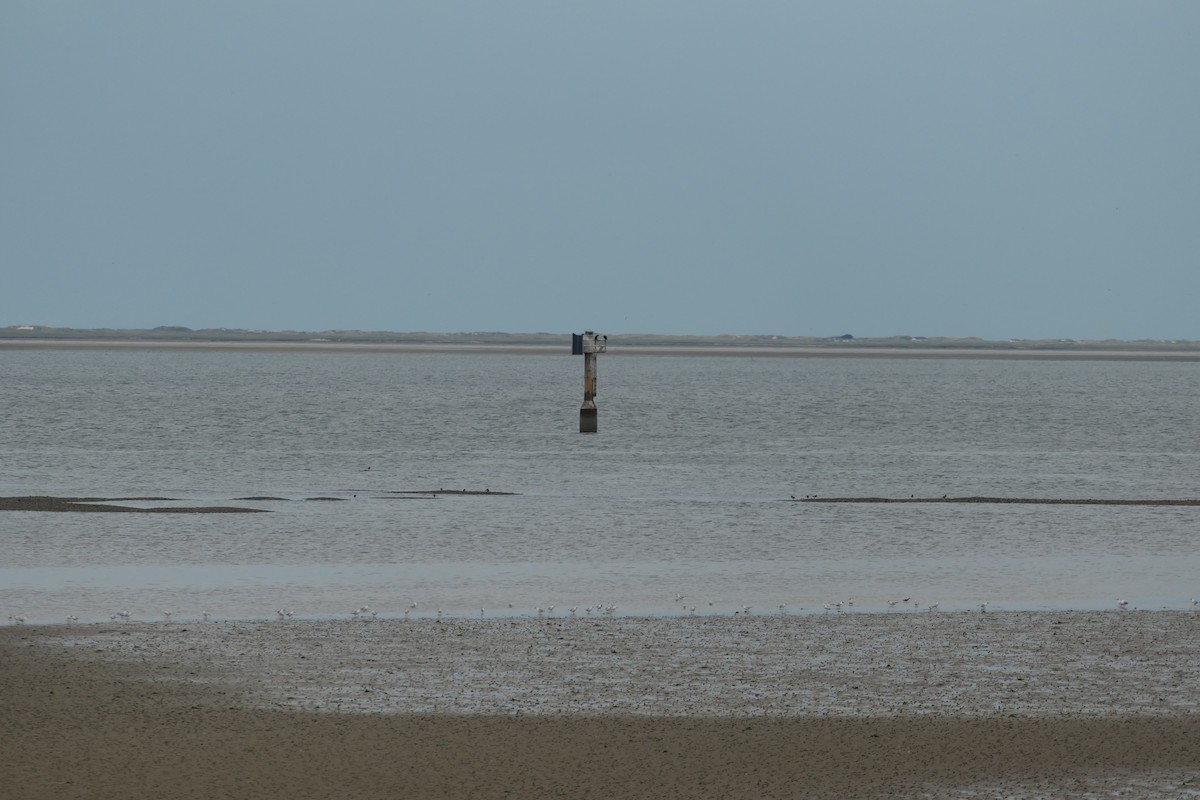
(685, 490)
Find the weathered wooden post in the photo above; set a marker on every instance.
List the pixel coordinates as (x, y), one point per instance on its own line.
(588, 344)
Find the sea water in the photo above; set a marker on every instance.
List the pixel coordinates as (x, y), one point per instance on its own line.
(457, 483)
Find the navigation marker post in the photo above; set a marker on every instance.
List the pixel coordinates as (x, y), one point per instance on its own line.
(588, 344)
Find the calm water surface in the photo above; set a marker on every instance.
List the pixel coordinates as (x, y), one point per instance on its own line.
(685, 490)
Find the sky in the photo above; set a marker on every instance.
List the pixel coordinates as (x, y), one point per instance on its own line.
(1022, 169)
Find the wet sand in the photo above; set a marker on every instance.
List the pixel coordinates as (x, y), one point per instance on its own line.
(1062, 704)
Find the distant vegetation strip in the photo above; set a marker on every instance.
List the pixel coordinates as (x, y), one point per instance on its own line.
(1021, 500)
(179, 334)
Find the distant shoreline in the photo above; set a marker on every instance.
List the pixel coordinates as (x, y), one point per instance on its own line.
(1082, 353)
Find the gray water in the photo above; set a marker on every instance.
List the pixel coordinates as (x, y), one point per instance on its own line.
(685, 490)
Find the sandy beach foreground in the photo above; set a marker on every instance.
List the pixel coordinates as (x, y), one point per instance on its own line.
(1045, 704)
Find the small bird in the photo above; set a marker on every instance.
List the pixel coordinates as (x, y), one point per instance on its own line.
(983, 607)
(1122, 604)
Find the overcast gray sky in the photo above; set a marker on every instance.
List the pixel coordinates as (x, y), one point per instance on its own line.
(996, 169)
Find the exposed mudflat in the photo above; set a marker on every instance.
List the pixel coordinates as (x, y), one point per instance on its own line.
(1063, 704)
(1045, 501)
(104, 504)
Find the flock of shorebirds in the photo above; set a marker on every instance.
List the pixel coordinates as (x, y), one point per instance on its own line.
(365, 612)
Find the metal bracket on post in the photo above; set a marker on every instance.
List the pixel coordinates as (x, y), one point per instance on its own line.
(588, 344)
